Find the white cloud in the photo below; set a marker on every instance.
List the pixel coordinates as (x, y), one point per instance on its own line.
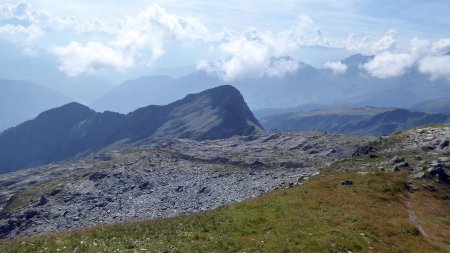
(367, 45)
(337, 67)
(88, 58)
(307, 33)
(441, 46)
(139, 41)
(436, 66)
(282, 66)
(22, 36)
(253, 55)
(387, 64)
(428, 57)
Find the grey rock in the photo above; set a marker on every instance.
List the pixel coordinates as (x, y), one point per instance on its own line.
(420, 175)
(30, 214)
(346, 182)
(97, 175)
(397, 159)
(399, 166)
(42, 201)
(444, 142)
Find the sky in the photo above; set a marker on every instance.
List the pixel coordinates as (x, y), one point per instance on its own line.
(233, 39)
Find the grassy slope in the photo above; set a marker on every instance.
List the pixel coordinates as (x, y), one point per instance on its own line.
(318, 216)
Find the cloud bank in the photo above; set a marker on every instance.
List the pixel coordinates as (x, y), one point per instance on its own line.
(142, 39)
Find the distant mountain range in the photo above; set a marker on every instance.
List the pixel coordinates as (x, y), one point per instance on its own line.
(23, 100)
(307, 85)
(266, 95)
(75, 129)
(360, 121)
(159, 90)
(439, 105)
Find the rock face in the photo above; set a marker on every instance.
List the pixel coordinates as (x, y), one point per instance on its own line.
(74, 129)
(167, 178)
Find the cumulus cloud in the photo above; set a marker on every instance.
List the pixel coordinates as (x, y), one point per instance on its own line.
(436, 66)
(337, 67)
(307, 33)
(428, 57)
(441, 46)
(88, 58)
(24, 26)
(282, 66)
(369, 46)
(22, 36)
(253, 55)
(139, 41)
(387, 64)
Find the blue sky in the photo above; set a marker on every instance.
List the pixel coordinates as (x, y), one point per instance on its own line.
(231, 38)
(413, 17)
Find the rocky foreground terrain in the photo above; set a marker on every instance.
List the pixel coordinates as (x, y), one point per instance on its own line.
(162, 179)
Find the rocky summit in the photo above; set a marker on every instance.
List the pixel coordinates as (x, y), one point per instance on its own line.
(75, 130)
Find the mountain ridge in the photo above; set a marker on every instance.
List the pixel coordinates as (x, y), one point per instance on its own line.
(75, 129)
(354, 120)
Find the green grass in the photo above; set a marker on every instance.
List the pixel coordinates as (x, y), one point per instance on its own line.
(318, 216)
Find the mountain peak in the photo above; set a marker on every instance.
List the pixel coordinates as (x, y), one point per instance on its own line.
(356, 59)
(72, 109)
(74, 129)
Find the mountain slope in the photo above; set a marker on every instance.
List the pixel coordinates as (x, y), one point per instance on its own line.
(337, 210)
(74, 129)
(439, 105)
(361, 121)
(157, 90)
(23, 100)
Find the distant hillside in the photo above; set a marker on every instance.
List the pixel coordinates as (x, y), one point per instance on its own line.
(72, 129)
(399, 98)
(360, 121)
(158, 90)
(303, 85)
(263, 113)
(439, 105)
(133, 94)
(23, 100)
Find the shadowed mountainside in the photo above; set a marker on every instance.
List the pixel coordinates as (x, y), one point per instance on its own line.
(74, 129)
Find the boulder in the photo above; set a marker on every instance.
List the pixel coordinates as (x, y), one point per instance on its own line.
(42, 201)
(420, 175)
(397, 159)
(346, 182)
(97, 175)
(444, 142)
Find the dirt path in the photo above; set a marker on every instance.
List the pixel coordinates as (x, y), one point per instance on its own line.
(412, 215)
